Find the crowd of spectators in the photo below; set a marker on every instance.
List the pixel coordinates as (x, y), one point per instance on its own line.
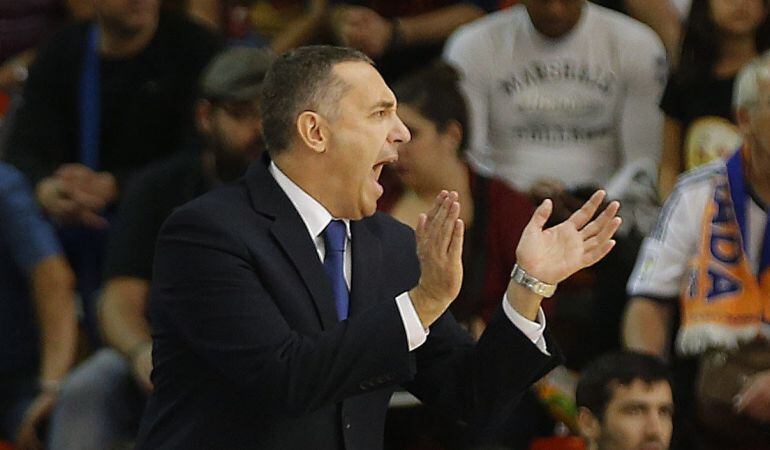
(115, 112)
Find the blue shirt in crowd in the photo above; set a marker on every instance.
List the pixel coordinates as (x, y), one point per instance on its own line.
(26, 239)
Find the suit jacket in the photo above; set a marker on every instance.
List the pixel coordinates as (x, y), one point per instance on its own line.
(248, 352)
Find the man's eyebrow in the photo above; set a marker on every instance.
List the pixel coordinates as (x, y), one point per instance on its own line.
(634, 404)
(387, 104)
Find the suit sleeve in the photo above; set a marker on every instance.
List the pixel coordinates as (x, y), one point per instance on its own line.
(478, 383)
(207, 292)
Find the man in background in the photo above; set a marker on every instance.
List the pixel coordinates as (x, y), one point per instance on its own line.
(625, 403)
(708, 263)
(106, 394)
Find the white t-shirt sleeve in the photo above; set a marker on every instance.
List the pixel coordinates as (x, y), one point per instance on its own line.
(468, 51)
(662, 261)
(644, 72)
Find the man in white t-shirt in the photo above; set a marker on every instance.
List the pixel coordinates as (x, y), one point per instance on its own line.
(712, 251)
(563, 93)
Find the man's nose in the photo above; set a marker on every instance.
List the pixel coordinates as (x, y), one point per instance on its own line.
(399, 132)
(654, 425)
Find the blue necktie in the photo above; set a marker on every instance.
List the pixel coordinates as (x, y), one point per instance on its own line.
(335, 235)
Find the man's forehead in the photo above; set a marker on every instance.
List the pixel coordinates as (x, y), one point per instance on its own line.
(364, 83)
(639, 387)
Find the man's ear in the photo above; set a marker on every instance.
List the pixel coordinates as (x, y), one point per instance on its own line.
(313, 131)
(452, 135)
(743, 119)
(203, 116)
(589, 425)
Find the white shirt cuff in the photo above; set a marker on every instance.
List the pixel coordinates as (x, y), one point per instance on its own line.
(532, 330)
(416, 335)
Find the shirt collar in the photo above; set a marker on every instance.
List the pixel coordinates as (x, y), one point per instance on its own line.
(315, 216)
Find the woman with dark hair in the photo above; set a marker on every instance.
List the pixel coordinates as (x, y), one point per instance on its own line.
(433, 108)
(721, 37)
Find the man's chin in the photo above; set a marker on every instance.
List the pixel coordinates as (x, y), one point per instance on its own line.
(369, 207)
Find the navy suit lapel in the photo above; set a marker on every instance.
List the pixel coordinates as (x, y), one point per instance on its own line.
(291, 234)
(367, 259)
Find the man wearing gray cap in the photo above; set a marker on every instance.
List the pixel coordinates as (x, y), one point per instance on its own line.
(106, 394)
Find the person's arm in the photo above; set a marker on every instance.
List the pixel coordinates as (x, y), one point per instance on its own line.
(643, 79)
(661, 16)
(363, 28)
(671, 157)
(35, 251)
(435, 26)
(303, 29)
(123, 320)
(646, 326)
(128, 269)
(471, 54)
(661, 265)
(52, 285)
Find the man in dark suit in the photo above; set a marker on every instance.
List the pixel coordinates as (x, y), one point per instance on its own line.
(285, 311)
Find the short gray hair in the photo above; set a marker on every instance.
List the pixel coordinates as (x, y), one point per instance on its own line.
(746, 88)
(299, 80)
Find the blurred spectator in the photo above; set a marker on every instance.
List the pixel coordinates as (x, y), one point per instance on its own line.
(280, 24)
(563, 95)
(712, 250)
(431, 105)
(625, 403)
(721, 36)
(434, 110)
(38, 327)
(103, 99)
(106, 394)
(107, 95)
(401, 35)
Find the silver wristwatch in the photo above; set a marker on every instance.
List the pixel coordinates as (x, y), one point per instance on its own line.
(521, 277)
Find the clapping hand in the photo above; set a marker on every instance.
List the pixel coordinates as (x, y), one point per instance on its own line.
(439, 237)
(553, 254)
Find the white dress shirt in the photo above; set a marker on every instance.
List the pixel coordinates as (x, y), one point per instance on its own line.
(316, 218)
